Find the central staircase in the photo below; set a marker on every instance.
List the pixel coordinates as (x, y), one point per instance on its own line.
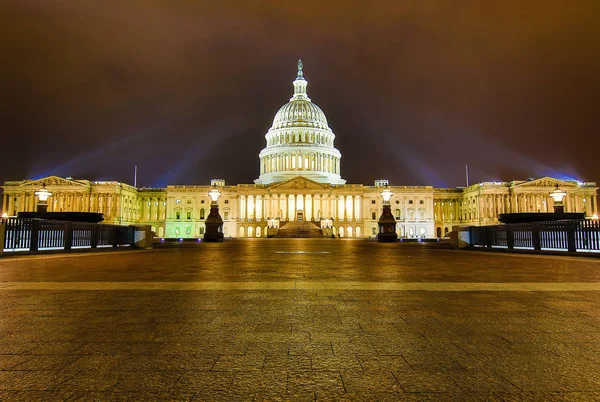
(299, 229)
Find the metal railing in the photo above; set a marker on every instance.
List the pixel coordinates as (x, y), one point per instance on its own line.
(571, 235)
(23, 234)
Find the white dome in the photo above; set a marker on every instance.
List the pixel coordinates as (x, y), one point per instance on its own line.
(300, 113)
(300, 142)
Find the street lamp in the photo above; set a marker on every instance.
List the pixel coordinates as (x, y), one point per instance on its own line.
(558, 195)
(387, 223)
(214, 222)
(42, 196)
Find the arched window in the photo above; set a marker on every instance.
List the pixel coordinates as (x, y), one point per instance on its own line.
(439, 232)
(202, 213)
(445, 232)
(397, 213)
(241, 231)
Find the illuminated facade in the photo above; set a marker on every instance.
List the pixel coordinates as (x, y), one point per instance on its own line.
(300, 180)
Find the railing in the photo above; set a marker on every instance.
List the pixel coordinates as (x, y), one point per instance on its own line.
(572, 236)
(37, 234)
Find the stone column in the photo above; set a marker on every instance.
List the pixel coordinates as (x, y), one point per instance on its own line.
(11, 204)
(5, 203)
(594, 204)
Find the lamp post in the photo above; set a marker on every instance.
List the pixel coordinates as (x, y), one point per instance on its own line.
(558, 195)
(42, 196)
(387, 223)
(214, 222)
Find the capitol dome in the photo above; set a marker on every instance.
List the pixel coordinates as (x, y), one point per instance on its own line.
(300, 142)
(300, 113)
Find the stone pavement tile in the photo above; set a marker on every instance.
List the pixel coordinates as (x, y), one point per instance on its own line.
(325, 337)
(273, 337)
(431, 361)
(268, 348)
(91, 380)
(16, 348)
(32, 380)
(58, 348)
(9, 361)
(167, 362)
(154, 381)
(114, 348)
(366, 396)
(355, 346)
(310, 349)
(207, 347)
(561, 378)
(425, 381)
(373, 381)
(273, 382)
(240, 363)
(46, 396)
(479, 381)
(376, 363)
(47, 362)
(96, 362)
(204, 382)
(468, 396)
(285, 363)
(549, 396)
(130, 396)
(337, 362)
(394, 347)
(303, 382)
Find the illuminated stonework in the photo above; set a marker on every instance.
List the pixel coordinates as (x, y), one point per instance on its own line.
(300, 142)
(299, 181)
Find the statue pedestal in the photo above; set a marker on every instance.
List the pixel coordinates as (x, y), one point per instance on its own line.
(214, 225)
(387, 226)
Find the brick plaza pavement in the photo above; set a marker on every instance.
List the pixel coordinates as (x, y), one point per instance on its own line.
(299, 319)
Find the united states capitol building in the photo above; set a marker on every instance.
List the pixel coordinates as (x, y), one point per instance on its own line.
(300, 181)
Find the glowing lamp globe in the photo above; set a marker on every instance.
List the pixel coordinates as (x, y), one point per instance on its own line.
(43, 194)
(387, 195)
(214, 194)
(558, 195)
(4, 215)
(594, 217)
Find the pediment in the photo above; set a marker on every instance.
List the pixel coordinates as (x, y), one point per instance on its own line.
(299, 183)
(53, 181)
(545, 182)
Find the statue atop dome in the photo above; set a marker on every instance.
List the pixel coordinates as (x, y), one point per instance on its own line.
(300, 73)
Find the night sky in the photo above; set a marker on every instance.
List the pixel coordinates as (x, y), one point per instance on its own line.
(413, 90)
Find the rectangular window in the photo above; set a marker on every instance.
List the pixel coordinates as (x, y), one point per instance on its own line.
(373, 215)
(177, 215)
(421, 202)
(189, 215)
(225, 215)
(201, 230)
(410, 201)
(372, 201)
(226, 201)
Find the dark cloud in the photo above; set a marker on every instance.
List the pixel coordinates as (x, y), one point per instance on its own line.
(187, 89)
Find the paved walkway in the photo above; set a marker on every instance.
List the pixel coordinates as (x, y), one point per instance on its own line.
(299, 319)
